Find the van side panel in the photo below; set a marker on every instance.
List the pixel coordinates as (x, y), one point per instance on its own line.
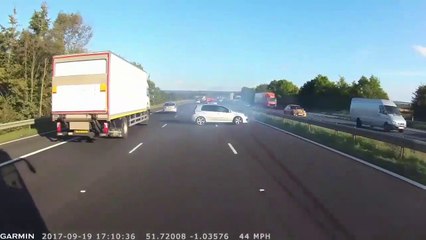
(367, 110)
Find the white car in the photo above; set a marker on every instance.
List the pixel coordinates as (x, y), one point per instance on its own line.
(207, 113)
(169, 107)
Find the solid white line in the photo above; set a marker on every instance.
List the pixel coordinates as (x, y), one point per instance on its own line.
(419, 185)
(232, 148)
(164, 125)
(135, 148)
(35, 152)
(35, 135)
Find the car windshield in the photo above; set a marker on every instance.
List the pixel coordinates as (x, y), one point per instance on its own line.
(392, 110)
(295, 107)
(169, 104)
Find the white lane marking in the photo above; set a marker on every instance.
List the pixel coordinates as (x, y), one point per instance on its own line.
(135, 148)
(159, 110)
(82, 191)
(35, 152)
(261, 190)
(164, 125)
(419, 185)
(216, 125)
(232, 148)
(35, 135)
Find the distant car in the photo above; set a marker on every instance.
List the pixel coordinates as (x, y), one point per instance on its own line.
(169, 107)
(207, 113)
(295, 110)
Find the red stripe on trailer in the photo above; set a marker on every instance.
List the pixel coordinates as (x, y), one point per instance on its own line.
(81, 55)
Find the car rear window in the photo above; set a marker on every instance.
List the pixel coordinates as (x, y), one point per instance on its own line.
(169, 104)
(295, 107)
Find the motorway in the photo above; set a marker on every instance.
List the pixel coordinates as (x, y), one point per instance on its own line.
(174, 176)
(409, 133)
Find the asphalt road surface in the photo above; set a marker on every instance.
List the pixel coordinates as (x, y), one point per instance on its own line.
(172, 176)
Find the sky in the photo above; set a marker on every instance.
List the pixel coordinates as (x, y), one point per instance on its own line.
(225, 45)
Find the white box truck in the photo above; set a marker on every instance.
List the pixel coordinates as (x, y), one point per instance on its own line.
(377, 113)
(98, 94)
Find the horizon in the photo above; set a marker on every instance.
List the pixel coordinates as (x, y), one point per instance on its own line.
(188, 45)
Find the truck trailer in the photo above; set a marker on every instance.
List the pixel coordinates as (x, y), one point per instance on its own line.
(266, 99)
(98, 94)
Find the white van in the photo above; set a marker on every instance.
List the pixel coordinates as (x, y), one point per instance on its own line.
(377, 113)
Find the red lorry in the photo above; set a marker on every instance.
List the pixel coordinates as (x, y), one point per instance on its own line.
(266, 99)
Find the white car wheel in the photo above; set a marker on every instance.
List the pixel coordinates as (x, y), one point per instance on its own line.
(200, 121)
(238, 120)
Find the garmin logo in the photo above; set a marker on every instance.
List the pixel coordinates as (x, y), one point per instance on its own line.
(9, 236)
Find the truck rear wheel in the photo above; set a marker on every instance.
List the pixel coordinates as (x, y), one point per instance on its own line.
(124, 128)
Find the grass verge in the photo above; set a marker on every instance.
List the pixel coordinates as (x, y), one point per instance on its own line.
(410, 164)
(41, 126)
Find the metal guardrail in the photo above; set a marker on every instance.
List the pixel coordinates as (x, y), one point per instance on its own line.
(4, 126)
(396, 140)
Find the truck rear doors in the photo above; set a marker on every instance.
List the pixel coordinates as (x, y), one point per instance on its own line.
(80, 83)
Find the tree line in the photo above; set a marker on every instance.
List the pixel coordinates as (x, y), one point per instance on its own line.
(26, 61)
(320, 93)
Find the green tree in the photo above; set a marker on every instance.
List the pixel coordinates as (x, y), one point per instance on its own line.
(70, 32)
(343, 86)
(9, 38)
(12, 87)
(25, 63)
(261, 88)
(315, 94)
(283, 88)
(418, 103)
(341, 95)
(369, 88)
(39, 23)
(285, 91)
